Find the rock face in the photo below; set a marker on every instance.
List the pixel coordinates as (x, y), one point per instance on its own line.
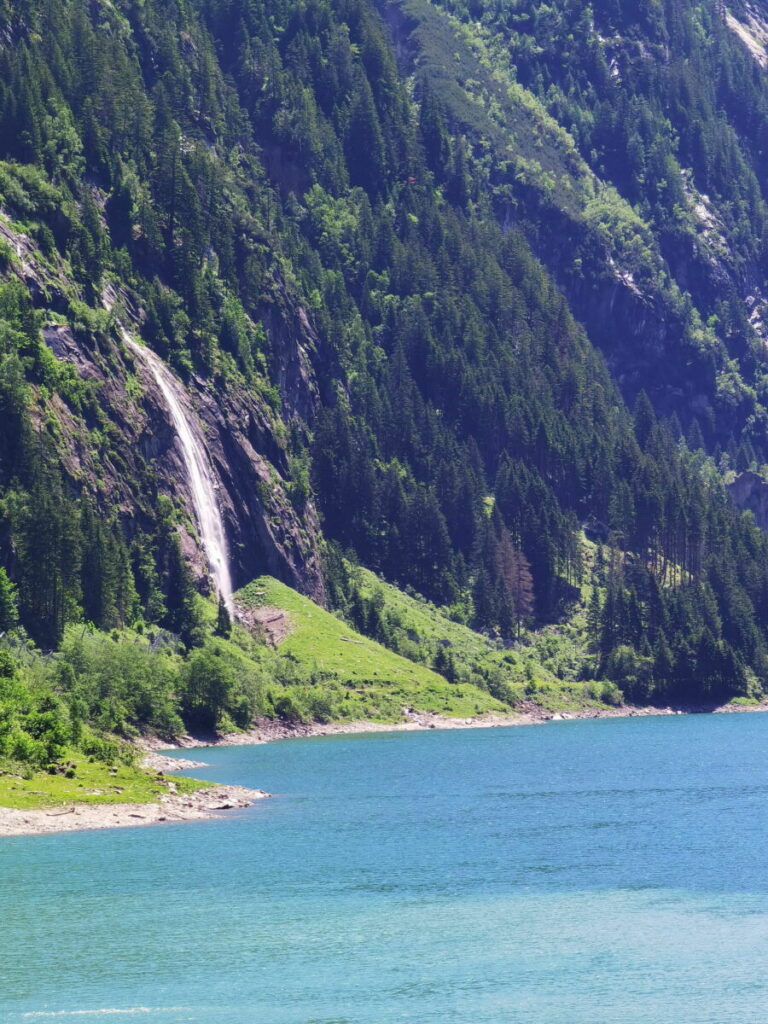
(750, 492)
(265, 532)
(122, 447)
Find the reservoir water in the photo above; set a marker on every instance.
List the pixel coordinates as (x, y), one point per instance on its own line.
(596, 872)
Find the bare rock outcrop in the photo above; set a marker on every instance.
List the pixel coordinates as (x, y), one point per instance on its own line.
(265, 532)
(750, 492)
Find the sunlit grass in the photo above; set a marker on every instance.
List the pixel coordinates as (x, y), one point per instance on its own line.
(92, 782)
(378, 682)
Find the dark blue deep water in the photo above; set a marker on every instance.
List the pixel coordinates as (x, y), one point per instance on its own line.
(600, 872)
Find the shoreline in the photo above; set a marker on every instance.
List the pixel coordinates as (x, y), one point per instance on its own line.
(203, 805)
(213, 801)
(268, 730)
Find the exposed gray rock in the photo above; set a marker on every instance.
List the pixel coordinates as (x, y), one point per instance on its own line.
(750, 492)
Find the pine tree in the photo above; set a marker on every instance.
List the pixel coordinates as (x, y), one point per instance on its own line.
(9, 605)
(49, 542)
(515, 573)
(223, 619)
(663, 667)
(433, 131)
(364, 141)
(182, 616)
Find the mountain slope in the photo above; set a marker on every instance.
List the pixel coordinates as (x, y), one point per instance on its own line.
(588, 144)
(408, 261)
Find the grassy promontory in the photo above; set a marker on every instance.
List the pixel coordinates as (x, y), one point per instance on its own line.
(81, 780)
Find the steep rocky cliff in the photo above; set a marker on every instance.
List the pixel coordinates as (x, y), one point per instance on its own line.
(124, 451)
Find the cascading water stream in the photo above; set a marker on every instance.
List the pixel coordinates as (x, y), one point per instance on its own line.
(199, 471)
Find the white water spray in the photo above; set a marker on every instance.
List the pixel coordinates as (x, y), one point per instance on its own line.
(199, 470)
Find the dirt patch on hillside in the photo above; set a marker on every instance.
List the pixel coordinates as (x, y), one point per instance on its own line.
(753, 32)
(273, 624)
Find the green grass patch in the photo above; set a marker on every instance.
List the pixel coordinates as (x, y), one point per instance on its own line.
(427, 626)
(544, 667)
(373, 682)
(93, 782)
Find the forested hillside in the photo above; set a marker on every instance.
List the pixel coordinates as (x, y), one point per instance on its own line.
(471, 294)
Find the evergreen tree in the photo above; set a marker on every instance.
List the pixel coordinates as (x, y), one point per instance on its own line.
(182, 616)
(223, 620)
(9, 608)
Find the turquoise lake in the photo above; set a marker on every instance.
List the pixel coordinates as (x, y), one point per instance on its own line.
(592, 872)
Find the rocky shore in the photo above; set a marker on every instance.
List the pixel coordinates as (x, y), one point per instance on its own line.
(204, 804)
(267, 730)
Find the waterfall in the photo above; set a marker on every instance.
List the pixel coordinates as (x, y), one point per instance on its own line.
(200, 473)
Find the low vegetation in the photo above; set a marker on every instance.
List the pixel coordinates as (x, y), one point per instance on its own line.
(361, 679)
(85, 781)
(66, 717)
(552, 667)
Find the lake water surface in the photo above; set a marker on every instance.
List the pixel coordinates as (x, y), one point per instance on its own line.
(596, 872)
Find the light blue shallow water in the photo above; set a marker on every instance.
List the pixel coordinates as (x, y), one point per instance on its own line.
(608, 872)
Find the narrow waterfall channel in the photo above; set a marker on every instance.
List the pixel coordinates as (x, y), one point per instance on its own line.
(199, 470)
